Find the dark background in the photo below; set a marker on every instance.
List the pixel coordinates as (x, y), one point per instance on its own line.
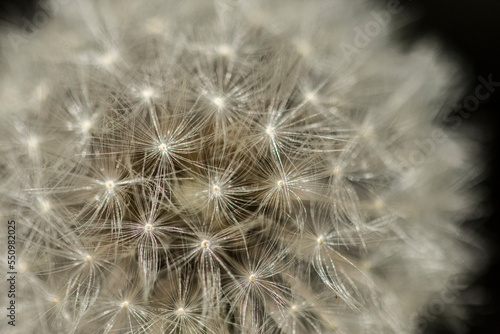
(471, 29)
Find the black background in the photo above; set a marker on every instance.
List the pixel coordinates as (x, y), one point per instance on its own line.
(470, 29)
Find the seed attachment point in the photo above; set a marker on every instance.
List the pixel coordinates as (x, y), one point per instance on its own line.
(110, 185)
(163, 147)
(225, 50)
(270, 131)
(218, 101)
(205, 244)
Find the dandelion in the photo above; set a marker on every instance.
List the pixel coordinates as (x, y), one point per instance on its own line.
(223, 167)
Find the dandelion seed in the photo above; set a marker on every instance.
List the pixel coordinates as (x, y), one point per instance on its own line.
(225, 50)
(148, 227)
(41, 92)
(366, 265)
(110, 185)
(378, 204)
(367, 132)
(252, 278)
(45, 205)
(125, 304)
(270, 131)
(32, 143)
(303, 48)
(147, 93)
(219, 102)
(311, 97)
(181, 312)
(86, 125)
(163, 148)
(23, 266)
(108, 58)
(337, 171)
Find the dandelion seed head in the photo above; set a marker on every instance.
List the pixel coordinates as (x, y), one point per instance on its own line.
(229, 157)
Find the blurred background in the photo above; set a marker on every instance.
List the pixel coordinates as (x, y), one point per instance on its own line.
(471, 30)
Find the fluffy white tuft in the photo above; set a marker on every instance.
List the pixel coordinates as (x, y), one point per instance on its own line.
(226, 167)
